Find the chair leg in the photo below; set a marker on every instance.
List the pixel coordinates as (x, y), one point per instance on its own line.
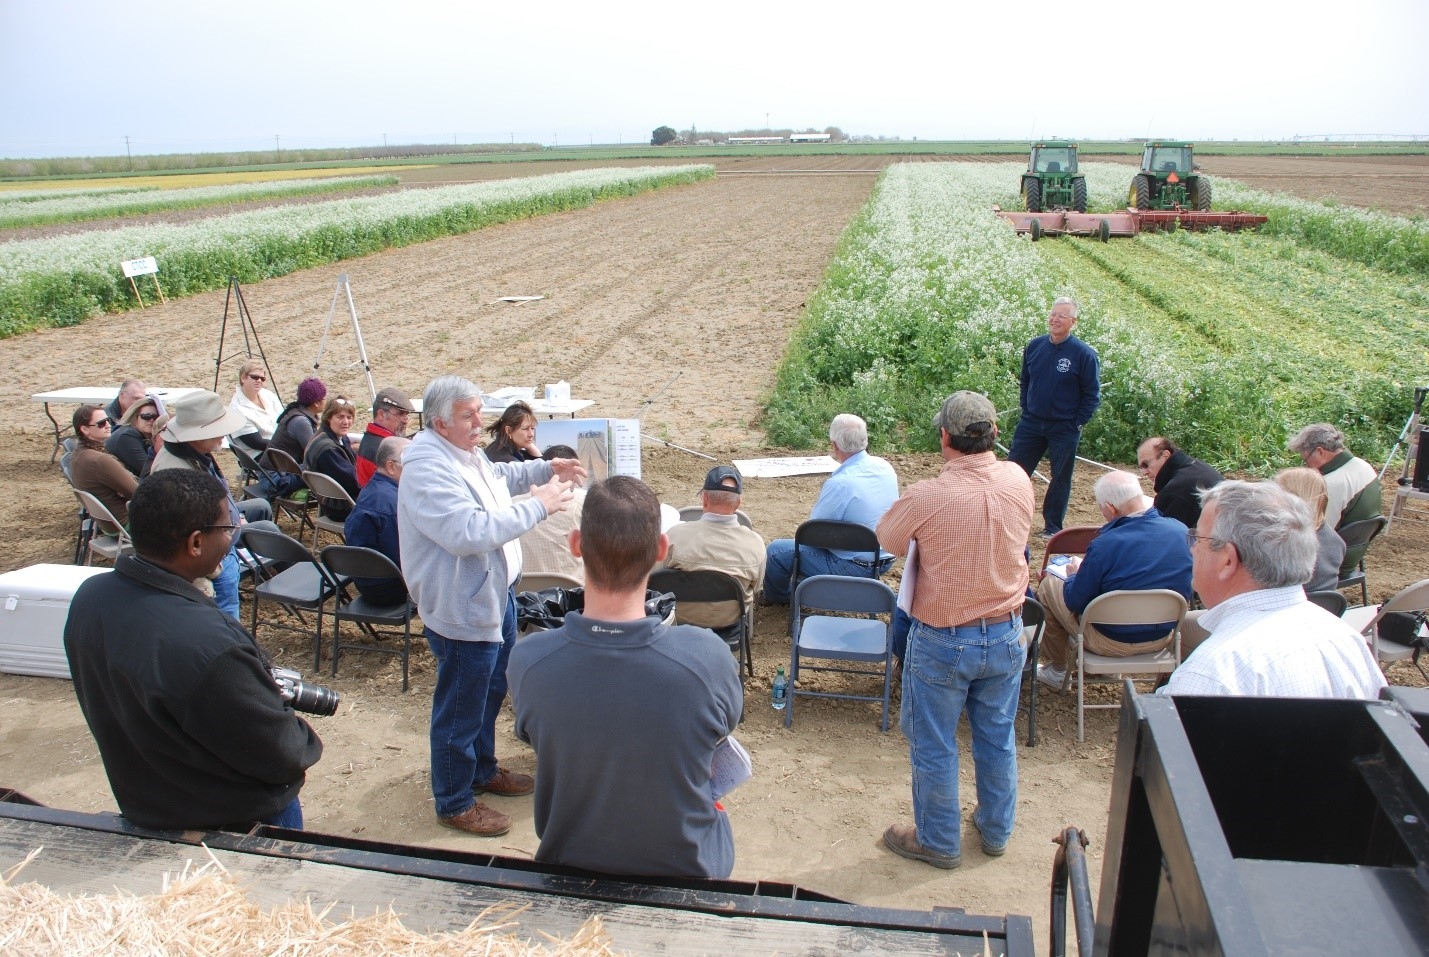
(887, 688)
(1033, 651)
(406, 648)
(1364, 587)
(789, 693)
(1081, 691)
(318, 640)
(336, 641)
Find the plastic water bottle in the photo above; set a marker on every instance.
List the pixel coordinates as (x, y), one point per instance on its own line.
(779, 697)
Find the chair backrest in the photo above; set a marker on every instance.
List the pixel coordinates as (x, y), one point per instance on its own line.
(699, 586)
(325, 486)
(1033, 614)
(843, 593)
(1072, 540)
(692, 513)
(540, 581)
(1332, 601)
(352, 561)
(69, 445)
(283, 462)
(96, 510)
(1357, 536)
(247, 461)
(828, 533)
(1413, 597)
(1127, 607)
(276, 546)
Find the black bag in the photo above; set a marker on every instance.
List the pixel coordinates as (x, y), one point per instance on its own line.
(1404, 627)
(547, 608)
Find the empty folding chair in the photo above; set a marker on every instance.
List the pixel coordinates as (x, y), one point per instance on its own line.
(301, 507)
(304, 584)
(1366, 620)
(844, 637)
(349, 561)
(833, 535)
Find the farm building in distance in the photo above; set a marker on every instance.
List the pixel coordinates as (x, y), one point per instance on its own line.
(751, 140)
(809, 137)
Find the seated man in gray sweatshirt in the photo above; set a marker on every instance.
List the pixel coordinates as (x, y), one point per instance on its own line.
(625, 712)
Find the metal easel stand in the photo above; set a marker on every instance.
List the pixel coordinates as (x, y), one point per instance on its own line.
(1408, 438)
(234, 302)
(345, 287)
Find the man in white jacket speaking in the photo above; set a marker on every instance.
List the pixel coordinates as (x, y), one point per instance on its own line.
(458, 530)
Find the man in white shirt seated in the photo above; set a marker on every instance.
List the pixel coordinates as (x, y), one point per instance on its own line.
(1252, 550)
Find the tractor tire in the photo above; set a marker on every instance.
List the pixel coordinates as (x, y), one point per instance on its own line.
(1032, 195)
(1104, 231)
(1036, 230)
(1202, 198)
(1140, 195)
(1079, 194)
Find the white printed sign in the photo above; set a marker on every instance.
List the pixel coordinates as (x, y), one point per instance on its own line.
(147, 266)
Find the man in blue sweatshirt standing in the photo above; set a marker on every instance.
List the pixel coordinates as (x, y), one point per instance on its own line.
(1060, 391)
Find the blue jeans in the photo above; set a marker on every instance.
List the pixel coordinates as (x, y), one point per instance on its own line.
(225, 586)
(290, 817)
(779, 564)
(944, 672)
(471, 685)
(1057, 439)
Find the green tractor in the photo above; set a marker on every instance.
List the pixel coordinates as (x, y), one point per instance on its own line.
(1169, 180)
(1052, 181)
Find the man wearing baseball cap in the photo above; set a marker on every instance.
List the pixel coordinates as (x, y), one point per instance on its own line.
(970, 524)
(717, 542)
(390, 412)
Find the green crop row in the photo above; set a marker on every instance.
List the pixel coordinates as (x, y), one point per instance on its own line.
(63, 280)
(1226, 342)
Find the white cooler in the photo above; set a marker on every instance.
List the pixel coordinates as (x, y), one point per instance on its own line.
(34, 604)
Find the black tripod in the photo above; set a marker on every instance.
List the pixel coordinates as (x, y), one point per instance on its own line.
(234, 299)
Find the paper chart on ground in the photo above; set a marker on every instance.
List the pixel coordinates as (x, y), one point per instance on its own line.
(787, 465)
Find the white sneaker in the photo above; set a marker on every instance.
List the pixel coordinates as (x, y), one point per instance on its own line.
(1051, 677)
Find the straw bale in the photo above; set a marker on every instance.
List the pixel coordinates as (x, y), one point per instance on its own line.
(204, 911)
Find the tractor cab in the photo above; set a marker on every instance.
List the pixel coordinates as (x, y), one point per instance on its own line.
(1162, 159)
(1053, 158)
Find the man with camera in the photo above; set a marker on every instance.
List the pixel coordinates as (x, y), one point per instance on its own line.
(194, 731)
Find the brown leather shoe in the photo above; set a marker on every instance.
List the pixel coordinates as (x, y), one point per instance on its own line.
(507, 784)
(902, 839)
(478, 819)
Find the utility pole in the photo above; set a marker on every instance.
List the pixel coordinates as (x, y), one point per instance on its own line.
(130, 154)
(278, 145)
(766, 123)
(384, 141)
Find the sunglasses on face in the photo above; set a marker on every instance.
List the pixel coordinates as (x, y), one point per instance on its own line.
(101, 424)
(257, 378)
(148, 416)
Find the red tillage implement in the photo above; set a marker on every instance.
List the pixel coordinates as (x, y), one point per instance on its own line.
(1104, 226)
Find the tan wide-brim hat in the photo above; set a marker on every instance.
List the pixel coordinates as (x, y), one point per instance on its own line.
(199, 416)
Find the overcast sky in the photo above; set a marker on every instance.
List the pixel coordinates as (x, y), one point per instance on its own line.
(78, 76)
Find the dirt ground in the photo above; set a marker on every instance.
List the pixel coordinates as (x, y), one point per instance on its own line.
(684, 297)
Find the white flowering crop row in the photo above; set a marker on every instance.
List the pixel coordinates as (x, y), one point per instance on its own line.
(77, 208)
(1218, 340)
(34, 195)
(62, 280)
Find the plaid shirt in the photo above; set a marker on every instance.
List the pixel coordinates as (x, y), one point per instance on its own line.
(1273, 642)
(971, 523)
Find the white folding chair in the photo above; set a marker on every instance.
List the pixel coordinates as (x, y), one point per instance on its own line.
(109, 545)
(1366, 619)
(840, 637)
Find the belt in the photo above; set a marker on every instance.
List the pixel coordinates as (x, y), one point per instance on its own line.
(984, 622)
(881, 563)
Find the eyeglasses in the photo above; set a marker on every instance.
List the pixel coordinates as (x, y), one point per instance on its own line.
(101, 424)
(230, 529)
(257, 378)
(148, 416)
(1192, 538)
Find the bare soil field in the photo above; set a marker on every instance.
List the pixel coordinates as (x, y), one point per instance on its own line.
(685, 297)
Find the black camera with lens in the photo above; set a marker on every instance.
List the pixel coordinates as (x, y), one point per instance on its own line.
(310, 699)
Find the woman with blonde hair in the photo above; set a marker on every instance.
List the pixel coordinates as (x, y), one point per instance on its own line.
(259, 406)
(331, 452)
(1309, 485)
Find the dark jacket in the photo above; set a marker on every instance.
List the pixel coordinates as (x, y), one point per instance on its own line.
(373, 524)
(333, 457)
(1178, 484)
(190, 725)
(286, 439)
(1134, 552)
(1060, 381)
(132, 448)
